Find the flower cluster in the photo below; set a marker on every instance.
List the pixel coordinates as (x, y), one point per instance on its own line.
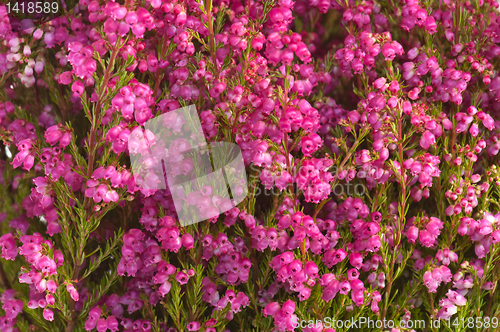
(399, 100)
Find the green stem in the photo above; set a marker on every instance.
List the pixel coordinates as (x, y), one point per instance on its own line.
(95, 122)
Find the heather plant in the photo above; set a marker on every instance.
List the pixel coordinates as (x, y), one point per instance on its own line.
(369, 131)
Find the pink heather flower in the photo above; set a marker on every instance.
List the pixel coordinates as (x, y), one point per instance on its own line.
(427, 140)
(488, 285)
(112, 323)
(487, 120)
(447, 311)
(65, 78)
(47, 266)
(12, 308)
(164, 288)
(50, 299)
(8, 294)
(412, 234)
(413, 94)
(90, 324)
(379, 83)
(217, 89)
(288, 307)
(344, 287)
(51, 286)
(304, 294)
(426, 238)
(311, 269)
(374, 306)
(78, 88)
(353, 116)
(48, 314)
(73, 292)
(271, 309)
(358, 297)
(495, 236)
(356, 260)
(311, 143)
(187, 241)
(95, 313)
(101, 325)
(9, 246)
(182, 278)
(389, 52)
(430, 25)
(407, 108)
(474, 130)
(193, 326)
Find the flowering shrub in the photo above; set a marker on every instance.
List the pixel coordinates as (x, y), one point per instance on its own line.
(370, 134)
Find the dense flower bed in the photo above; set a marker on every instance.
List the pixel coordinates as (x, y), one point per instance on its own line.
(370, 135)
